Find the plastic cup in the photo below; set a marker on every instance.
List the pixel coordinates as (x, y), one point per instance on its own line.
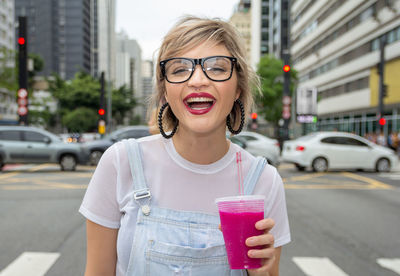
(238, 215)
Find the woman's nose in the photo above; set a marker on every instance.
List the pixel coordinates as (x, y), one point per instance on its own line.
(198, 77)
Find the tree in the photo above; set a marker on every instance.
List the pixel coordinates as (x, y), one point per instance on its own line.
(80, 120)
(83, 91)
(269, 103)
(122, 103)
(75, 98)
(8, 70)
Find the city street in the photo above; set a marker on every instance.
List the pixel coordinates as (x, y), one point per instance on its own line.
(342, 223)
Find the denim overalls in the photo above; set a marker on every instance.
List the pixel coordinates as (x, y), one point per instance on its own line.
(169, 242)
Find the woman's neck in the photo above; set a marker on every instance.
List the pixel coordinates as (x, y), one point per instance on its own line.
(201, 149)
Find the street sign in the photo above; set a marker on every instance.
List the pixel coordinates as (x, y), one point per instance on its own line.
(22, 93)
(22, 101)
(286, 115)
(286, 100)
(22, 110)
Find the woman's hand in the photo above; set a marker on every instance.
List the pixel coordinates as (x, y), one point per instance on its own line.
(268, 254)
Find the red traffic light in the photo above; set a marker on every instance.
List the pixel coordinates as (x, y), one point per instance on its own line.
(382, 121)
(101, 111)
(254, 115)
(21, 41)
(286, 68)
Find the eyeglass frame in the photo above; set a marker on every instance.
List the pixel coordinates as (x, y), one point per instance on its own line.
(195, 62)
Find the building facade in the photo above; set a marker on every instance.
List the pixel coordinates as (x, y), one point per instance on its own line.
(335, 49)
(60, 32)
(241, 19)
(106, 38)
(147, 85)
(270, 23)
(8, 105)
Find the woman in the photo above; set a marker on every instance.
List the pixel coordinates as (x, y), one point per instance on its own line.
(150, 205)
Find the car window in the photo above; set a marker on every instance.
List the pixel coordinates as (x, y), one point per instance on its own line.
(354, 142)
(10, 135)
(136, 133)
(247, 137)
(329, 140)
(32, 136)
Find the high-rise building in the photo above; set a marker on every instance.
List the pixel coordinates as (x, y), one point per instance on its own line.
(106, 38)
(8, 105)
(59, 31)
(128, 58)
(147, 84)
(336, 49)
(269, 27)
(7, 25)
(241, 19)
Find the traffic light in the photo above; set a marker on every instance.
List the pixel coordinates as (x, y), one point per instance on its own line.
(382, 121)
(286, 68)
(254, 117)
(23, 108)
(101, 112)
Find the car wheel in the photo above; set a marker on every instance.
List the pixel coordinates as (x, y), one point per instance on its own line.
(68, 162)
(95, 157)
(300, 168)
(382, 165)
(320, 164)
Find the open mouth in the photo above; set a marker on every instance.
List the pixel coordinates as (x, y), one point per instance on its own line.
(199, 103)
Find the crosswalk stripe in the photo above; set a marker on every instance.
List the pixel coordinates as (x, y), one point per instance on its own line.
(31, 263)
(318, 266)
(391, 264)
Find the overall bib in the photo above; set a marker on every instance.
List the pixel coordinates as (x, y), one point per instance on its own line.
(170, 242)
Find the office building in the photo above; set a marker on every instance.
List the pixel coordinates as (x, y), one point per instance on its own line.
(241, 19)
(8, 105)
(336, 49)
(59, 31)
(106, 38)
(147, 85)
(269, 28)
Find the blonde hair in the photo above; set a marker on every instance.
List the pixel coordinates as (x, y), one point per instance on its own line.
(190, 32)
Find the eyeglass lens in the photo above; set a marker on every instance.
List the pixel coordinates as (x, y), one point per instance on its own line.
(215, 68)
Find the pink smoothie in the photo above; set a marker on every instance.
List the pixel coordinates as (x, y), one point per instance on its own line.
(236, 228)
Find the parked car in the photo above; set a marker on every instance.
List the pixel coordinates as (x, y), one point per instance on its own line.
(337, 150)
(22, 144)
(96, 148)
(260, 145)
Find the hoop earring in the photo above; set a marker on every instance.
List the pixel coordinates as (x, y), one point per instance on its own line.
(242, 117)
(160, 125)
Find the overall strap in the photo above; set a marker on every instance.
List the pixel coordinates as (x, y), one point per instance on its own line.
(140, 189)
(254, 174)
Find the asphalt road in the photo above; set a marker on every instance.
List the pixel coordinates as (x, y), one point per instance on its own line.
(343, 223)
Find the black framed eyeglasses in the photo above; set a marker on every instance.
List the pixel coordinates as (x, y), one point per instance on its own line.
(216, 68)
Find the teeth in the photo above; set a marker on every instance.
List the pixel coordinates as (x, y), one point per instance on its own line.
(199, 99)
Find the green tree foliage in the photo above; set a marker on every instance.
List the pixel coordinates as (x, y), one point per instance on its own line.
(8, 70)
(122, 103)
(269, 103)
(75, 98)
(83, 91)
(80, 120)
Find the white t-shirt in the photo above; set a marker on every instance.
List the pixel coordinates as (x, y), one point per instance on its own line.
(175, 183)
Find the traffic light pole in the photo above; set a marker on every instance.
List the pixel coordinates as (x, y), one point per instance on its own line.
(22, 71)
(381, 71)
(286, 94)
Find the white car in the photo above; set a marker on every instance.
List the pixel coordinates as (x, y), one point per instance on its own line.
(260, 145)
(337, 150)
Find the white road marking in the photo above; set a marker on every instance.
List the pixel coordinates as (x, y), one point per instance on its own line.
(391, 264)
(318, 266)
(31, 263)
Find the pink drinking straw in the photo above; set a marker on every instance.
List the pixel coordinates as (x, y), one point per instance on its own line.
(240, 172)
